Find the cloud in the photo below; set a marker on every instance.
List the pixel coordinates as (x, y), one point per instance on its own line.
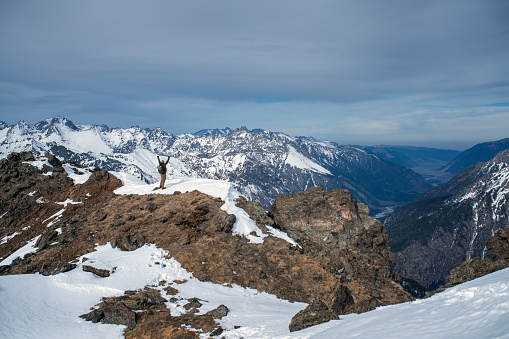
(275, 64)
(374, 127)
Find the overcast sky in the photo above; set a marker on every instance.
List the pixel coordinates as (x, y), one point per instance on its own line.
(426, 73)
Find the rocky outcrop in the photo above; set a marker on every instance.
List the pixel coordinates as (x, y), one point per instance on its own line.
(335, 229)
(315, 313)
(477, 267)
(343, 263)
(499, 245)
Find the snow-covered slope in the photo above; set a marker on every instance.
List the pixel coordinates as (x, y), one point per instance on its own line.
(49, 306)
(261, 164)
(33, 305)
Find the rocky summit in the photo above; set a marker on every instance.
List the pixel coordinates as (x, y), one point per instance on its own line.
(342, 263)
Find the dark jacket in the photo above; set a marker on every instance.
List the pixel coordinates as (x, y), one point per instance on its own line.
(162, 165)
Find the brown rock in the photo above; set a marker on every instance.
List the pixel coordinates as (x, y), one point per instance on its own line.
(118, 313)
(218, 312)
(499, 245)
(315, 313)
(339, 299)
(97, 271)
(343, 249)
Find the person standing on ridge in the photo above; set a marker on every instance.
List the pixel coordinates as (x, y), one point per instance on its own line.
(161, 168)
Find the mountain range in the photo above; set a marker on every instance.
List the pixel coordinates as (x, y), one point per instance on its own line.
(451, 223)
(261, 164)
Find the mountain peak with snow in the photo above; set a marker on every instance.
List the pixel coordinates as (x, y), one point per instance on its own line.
(260, 164)
(57, 123)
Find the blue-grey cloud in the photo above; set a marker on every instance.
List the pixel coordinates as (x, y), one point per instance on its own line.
(270, 64)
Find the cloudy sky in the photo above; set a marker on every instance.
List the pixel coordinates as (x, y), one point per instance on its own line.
(426, 73)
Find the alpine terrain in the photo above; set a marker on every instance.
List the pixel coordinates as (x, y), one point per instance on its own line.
(260, 164)
(86, 255)
(54, 216)
(451, 223)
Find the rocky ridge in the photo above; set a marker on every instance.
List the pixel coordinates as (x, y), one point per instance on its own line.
(451, 223)
(261, 164)
(343, 263)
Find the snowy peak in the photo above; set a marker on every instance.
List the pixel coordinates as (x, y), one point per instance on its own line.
(260, 164)
(207, 132)
(57, 123)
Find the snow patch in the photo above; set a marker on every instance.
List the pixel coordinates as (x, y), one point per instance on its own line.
(282, 235)
(8, 237)
(219, 189)
(28, 248)
(298, 160)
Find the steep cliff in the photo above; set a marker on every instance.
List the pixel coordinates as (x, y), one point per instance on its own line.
(451, 223)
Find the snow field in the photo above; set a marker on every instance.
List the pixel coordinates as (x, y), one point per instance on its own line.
(35, 306)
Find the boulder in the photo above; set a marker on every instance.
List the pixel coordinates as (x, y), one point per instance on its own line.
(97, 271)
(499, 245)
(315, 313)
(339, 299)
(118, 313)
(218, 312)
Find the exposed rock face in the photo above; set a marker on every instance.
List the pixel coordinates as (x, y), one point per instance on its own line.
(335, 229)
(344, 261)
(477, 267)
(323, 220)
(499, 245)
(315, 313)
(451, 223)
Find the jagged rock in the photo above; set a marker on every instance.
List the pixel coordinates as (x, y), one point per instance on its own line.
(63, 266)
(219, 312)
(477, 267)
(226, 224)
(94, 316)
(148, 297)
(114, 243)
(315, 313)
(255, 211)
(339, 299)
(499, 245)
(128, 244)
(53, 160)
(193, 305)
(46, 239)
(118, 313)
(97, 271)
(53, 267)
(324, 220)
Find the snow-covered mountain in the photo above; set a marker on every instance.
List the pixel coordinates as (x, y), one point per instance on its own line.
(451, 223)
(261, 164)
(50, 306)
